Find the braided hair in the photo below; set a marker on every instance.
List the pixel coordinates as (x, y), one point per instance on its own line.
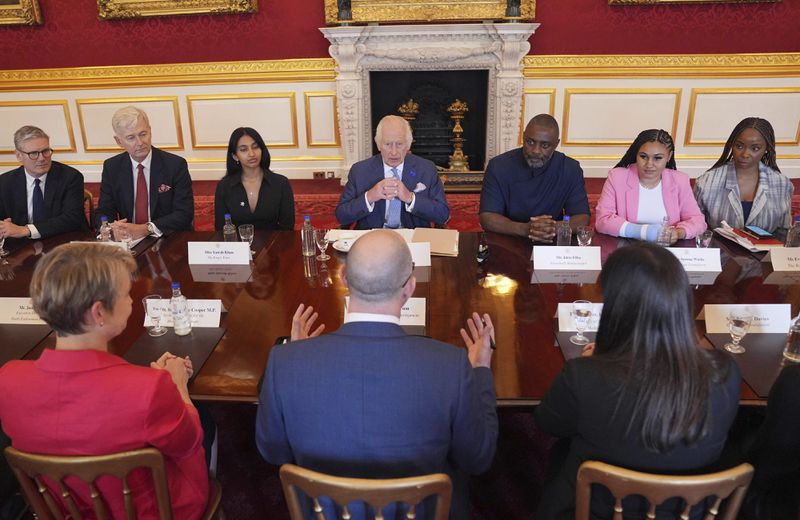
(763, 127)
(647, 136)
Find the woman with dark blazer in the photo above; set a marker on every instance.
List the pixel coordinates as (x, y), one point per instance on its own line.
(645, 396)
(250, 192)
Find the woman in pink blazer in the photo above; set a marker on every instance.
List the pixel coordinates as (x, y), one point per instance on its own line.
(644, 188)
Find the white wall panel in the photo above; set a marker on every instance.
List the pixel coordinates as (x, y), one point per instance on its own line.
(322, 128)
(98, 135)
(51, 116)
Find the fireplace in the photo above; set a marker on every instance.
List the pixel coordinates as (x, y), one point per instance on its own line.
(434, 92)
(495, 48)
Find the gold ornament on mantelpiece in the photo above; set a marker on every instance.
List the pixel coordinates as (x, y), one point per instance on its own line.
(408, 110)
(458, 161)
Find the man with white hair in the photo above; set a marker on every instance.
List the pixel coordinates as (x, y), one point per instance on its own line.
(371, 401)
(42, 197)
(394, 189)
(144, 190)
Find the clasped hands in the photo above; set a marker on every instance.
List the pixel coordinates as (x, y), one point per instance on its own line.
(542, 228)
(179, 368)
(136, 231)
(10, 230)
(389, 189)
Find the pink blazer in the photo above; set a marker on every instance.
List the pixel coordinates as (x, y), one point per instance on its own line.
(619, 201)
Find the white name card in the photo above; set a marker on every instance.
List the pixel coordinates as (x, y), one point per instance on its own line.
(420, 253)
(221, 273)
(766, 317)
(213, 253)
(566, 258)
(566, 323)
(785, 258)
(19, 311)
(412, 313)
(202, 313)
(702, 265)
(553, 276)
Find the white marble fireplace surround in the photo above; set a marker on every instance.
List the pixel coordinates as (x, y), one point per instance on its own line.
(496, 47)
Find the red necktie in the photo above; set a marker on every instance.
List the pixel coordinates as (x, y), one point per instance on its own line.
(140, 212)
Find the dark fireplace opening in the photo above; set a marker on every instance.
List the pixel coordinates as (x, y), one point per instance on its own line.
(434, 92)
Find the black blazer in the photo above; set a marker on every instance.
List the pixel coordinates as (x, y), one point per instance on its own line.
(171, 197)
(63, 200)
(274, 209)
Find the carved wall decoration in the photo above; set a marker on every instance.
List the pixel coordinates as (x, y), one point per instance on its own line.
(109, 9)
(20, 12)
(650, 2)
(368, 11)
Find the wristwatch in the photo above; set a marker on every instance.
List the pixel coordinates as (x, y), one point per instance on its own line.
(151, 228)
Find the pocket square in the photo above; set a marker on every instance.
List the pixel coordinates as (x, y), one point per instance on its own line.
(164, 188)
(420, 187)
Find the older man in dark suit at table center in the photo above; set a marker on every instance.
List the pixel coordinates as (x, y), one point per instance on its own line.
(42, 197)
(395, 188)
(371, 401)
(144, 190)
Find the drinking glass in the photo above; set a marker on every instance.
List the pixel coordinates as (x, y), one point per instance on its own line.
(3, 252)
(153, 310)
(122, 235)
(322, 240)
(581, 315)
(738, 325)
(585, 234)
(703, 240)
(246, 233)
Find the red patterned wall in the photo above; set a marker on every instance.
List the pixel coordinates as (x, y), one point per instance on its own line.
(72, 35)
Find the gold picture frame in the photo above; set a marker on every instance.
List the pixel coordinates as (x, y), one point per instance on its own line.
(111, 9)
(371, 11)
(652, 2)
(20, 12)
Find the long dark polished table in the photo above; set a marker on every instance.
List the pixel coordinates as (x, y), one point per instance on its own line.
(260, 310)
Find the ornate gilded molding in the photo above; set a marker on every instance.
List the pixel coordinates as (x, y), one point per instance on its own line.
(301, 70)
(23, 12)
(111, 9)
(666, 65)
(401, 11)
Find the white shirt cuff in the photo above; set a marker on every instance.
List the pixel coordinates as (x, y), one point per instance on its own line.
(156, 232)
(370, 207)
(410, 205)
(34, 232)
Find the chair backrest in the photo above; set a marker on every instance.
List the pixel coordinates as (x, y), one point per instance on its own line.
(88, 203)
(656, 489)
(30, 468)
(377, 493)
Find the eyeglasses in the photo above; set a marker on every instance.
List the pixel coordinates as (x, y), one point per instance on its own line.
(47, 152)
(409, 276)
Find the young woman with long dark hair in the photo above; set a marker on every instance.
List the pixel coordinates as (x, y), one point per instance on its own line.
(648, 398)
(745, 185)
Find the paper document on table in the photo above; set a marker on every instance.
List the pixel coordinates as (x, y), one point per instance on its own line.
(444, 242)
(725, 230)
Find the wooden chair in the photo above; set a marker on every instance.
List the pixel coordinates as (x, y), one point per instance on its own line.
(658, 488)
(377, 493)
(29, 467)
(88, 205)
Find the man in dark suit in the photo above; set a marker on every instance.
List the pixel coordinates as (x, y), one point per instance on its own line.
(144, 190)
(371, 401)
(42, 197)
(395, 188)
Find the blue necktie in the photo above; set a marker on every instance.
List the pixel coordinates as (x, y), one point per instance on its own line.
(38, 202)
(393, 216)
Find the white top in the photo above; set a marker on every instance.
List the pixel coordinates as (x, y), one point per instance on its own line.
(651, 206)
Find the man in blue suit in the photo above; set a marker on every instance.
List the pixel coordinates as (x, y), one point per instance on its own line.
(42, 197)
(144, 190)
(371, 401)
(395, 188)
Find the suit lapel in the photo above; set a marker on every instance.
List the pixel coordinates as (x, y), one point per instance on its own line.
(52, 186)
(20, 189)
(631, 195)
(126, 186)
(155, 181)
